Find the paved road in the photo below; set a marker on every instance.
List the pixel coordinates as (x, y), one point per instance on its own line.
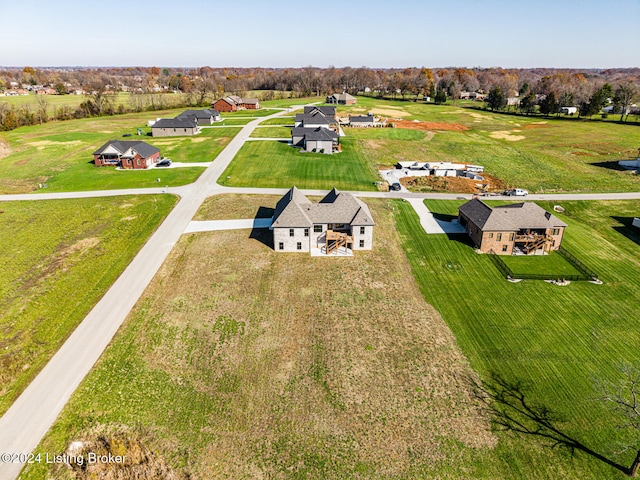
(32, 414)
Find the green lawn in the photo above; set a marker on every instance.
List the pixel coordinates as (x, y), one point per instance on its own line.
(60, 155)
(552, 264)
(278, 165)
(271, 132)
(539, 154)
(557, 340)
(288, 121)
(59, 258)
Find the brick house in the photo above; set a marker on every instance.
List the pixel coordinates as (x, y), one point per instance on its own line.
(129, 154)
(520, 228)
(233, 103)
(339, 223)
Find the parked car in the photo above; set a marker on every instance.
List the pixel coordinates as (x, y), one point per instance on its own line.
(395, 187)
(516, 192)
(126, 135)
(164, 163)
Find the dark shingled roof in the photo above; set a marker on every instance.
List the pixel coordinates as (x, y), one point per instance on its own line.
(361, 118)
(205, 113)
(295, 210)
(320, 134)
(184, 122)
(509, 217)
(308, 119)
(144, 149)
(328, 111)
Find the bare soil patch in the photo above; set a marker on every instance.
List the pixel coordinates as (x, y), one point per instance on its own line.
(506, 135)
(390, 112)
(5, 149)
(453, 184)
(532, 126)
(429, 126)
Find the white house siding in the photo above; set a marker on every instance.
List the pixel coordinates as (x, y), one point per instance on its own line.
(367, 237)
(281, 235)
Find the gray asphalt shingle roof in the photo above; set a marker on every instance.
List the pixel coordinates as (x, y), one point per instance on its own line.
(295, 210)
(178, 122)
(144, 149)
(512, 217)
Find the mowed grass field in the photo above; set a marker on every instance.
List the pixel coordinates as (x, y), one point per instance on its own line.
(278, 165)
(60, 154)
(58, 258)
(541, 155)
(558, 341)
(240, 362)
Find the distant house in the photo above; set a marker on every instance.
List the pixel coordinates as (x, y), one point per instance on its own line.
(569, 110)
(321, 140)
(206, 116)
(361, 121)
(233, 103)
(173, 127)
(126, 154)
(337, 224)
(342, 99)
(521, 228)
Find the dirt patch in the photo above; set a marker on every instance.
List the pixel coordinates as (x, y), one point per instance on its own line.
(138, 460)
(583, 154)
(429, 126)
(198, 140)
(532, 126)
(5, 150)
(506, 135)
(390, 112)
(454, 184)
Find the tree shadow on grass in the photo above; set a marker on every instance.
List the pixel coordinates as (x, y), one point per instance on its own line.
(627, 229)
(263, 235)
(507, 405)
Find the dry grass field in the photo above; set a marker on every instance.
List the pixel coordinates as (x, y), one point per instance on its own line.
(239, 362)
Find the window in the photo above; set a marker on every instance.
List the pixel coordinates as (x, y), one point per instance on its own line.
(281, 246)
(361, 230)
(511, 236)
(299, 246)
(317, 229)
(291, 232)
(361, 243)
(498, 237)
(491, 235)
(306, 232)
(555, 231)
(504, 248)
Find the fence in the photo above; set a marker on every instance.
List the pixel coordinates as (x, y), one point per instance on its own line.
(585, 272)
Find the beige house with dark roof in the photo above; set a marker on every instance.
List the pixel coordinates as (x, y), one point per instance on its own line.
(520, 228)
(339, 223)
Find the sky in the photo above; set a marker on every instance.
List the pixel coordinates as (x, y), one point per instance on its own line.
(297, 33)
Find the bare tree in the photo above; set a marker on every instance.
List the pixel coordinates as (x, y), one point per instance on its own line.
(622, 398)
(624, 96)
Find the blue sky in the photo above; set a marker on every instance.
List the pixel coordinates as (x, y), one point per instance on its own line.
(288, 33)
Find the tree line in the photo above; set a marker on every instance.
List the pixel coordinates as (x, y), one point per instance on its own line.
(538, 90)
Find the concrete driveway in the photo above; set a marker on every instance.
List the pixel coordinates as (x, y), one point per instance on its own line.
(431, 224)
